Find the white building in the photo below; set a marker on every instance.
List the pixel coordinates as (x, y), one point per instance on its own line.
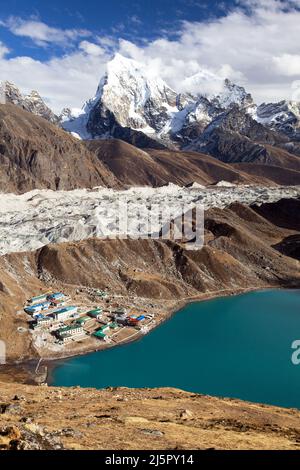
(65, 313)
(44, 321)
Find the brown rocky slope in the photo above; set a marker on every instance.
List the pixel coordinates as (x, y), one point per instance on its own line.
(240, 253)
(35, 154)
(46, 418)
(133, 166)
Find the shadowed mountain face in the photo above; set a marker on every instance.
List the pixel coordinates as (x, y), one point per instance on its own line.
(36, 154)
(290, 246)
(285, 214)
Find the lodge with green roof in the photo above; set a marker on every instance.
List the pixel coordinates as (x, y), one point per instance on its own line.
(83, 320)
(96, 313)
(99, 334)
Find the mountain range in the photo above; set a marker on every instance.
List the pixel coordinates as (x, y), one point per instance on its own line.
(128, 98)
(167, 136)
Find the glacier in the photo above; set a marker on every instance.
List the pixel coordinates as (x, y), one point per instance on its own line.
(37, 218)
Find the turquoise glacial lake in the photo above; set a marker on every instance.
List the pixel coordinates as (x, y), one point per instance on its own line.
(236, 347)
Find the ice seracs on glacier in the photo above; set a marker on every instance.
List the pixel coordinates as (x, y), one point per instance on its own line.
(32, 229)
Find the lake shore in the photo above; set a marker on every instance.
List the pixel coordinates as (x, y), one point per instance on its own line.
(238, 347)
(52, 364)
(39, 370)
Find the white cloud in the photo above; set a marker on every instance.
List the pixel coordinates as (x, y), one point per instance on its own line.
(3, 50)
(65, 81)
(107, 42)
(249, 42)
(135, 19)
(42, 34)
(91, 48)
(288, 64)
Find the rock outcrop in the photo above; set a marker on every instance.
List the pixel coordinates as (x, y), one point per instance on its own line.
(46, 418)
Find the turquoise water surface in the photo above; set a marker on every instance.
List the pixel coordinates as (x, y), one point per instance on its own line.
(234, 347)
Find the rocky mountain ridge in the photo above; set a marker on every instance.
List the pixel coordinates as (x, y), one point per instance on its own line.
(33, 102)
(127, 98)
(36, 154)
(133, 105)
(283, 116)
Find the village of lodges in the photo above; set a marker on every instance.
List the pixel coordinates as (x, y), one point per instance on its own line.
(67, 323)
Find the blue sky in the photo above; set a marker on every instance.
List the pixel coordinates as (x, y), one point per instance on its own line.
(61, 48)
(134, 20)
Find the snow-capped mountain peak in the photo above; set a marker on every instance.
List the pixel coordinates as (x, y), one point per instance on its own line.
(130, 96)
(283, 116)
(120, 68)
(134, 99)
(133, 104)
(234, 94)
(9, 93)
(33, 103)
